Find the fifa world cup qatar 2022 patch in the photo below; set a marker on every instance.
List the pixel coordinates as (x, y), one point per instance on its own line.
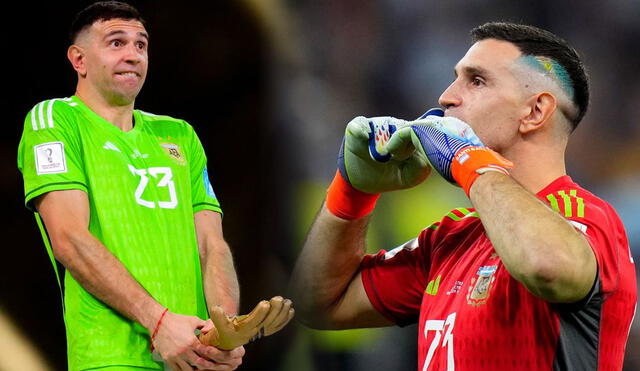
(480, 287)
(50, 158)
(173, 150)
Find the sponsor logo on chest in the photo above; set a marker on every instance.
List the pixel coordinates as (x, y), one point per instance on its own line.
(432, 286)
(457, 286)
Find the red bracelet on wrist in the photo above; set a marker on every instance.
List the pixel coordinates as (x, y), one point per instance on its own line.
(155, 332)
(346, 202)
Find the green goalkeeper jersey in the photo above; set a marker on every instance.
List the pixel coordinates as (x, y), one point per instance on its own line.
(144, 187)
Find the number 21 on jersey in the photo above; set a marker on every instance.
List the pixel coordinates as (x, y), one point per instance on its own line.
(442, 332)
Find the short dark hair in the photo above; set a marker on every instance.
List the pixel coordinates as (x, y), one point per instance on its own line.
(102, 11)
(541, 43)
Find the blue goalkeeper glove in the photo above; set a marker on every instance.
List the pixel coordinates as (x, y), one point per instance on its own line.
(438, 138)
(451, 147)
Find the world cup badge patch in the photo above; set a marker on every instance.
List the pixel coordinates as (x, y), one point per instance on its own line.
(480, 287)
(173, 150)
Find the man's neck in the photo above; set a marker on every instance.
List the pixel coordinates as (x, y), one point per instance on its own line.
(119, 116)
(536, 167)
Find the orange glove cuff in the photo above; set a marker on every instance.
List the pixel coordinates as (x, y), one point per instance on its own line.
(346, 202)
(470, 162)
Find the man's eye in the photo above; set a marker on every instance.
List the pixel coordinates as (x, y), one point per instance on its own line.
(116, 43)
(476, 81)
(141, 45)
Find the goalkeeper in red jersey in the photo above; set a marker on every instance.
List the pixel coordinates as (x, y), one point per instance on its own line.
(536, 276)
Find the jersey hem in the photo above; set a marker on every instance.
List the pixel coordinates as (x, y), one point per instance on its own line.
(58, 186)
(206, 206)
(118, 363)
(374, 298)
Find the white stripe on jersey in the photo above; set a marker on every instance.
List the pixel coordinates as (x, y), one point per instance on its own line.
(34, 124)
(69, 101)
(409, 245)
(50, 113)
(148, 113)
(38, 116)
(41, 114)
(579, 226)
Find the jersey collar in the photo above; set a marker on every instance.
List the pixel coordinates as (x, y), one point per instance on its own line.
(558, 183)
(138, 120)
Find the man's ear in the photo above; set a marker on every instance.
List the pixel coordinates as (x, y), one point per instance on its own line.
(540, 108)
(76, 56)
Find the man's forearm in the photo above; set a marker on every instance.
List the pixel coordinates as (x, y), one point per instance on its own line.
(329, 260)
(103, 275)
(537, 246)
(219, 276)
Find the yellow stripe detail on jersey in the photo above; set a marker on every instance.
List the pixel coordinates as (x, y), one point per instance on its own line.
(465, 214)
(580, 201)
(568, 212)
(554, 202)
(568, 201)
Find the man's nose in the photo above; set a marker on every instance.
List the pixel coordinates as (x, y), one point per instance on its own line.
(450, 97)
(134, 55)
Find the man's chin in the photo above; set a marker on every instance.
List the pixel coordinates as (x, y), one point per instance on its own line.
(123, 100)
(124, 97)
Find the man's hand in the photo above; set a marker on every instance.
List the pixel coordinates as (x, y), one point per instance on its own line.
(451, 147)
(177, 344)
(436, 138)
(366, 166)
(223, 360)
(229, 332)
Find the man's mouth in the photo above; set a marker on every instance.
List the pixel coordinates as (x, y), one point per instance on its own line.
(128, 74)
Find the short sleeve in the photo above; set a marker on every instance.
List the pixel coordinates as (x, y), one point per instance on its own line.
(203, 196)
(601, 235)
(50, 151)
(395, 280)
(599, 223)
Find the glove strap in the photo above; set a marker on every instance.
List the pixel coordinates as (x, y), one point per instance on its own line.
(470, 162)
(348, 203)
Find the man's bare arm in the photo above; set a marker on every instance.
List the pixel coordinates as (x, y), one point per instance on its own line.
(66, 216)
(538, 247)
(326, 283)
(218, 273)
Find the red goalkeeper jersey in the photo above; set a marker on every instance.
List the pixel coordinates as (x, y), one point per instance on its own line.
(474, 316)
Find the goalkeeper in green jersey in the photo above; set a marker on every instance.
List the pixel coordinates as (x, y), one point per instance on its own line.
(130, 212)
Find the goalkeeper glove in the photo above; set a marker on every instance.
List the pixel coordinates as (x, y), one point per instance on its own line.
(230, 332)
(451, 147)
(366, 168)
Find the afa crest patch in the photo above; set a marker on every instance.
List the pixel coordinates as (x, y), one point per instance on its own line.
(173, 150)
(480, 287)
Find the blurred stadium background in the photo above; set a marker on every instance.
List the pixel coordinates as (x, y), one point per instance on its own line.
(269, 86)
